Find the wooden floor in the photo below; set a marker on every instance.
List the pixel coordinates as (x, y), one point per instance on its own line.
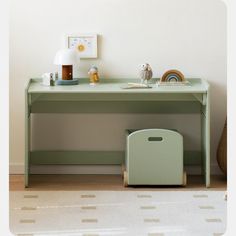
(103, 182)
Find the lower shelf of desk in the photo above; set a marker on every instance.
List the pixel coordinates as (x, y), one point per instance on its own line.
(94, 157)
(191, 158)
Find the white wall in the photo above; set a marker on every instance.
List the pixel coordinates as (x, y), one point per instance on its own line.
(189, 35)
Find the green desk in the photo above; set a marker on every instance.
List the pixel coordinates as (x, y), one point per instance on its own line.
(110, 97)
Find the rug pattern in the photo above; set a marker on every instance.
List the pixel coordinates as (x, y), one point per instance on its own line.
(126, 213)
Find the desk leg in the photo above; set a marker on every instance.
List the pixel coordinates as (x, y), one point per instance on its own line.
(205, 120)
(27, 140)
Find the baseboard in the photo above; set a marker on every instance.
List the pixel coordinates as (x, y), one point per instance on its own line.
(18, 168)
(196, 170)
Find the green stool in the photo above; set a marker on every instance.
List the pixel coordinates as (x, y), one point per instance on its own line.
(154, 157)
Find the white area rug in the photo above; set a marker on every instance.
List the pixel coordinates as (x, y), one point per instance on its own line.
(126, 213)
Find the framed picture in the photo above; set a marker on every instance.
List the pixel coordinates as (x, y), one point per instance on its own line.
(85, 44)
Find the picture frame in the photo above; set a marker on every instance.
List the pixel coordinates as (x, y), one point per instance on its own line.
(85, 44)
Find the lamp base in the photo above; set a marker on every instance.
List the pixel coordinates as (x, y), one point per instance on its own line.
(67, 82)
(67, 72)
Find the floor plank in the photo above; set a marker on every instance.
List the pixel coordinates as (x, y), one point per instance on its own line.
(104, 182)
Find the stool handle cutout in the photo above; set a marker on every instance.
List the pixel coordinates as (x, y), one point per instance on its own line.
(158, 139)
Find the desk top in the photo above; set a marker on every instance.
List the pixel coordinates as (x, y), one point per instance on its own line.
(116, 86)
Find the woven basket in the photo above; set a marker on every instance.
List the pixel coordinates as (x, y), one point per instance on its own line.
(222, 150)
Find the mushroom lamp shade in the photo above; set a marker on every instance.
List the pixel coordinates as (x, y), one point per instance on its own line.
(66, 58)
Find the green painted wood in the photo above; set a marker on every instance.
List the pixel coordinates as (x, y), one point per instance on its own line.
(112, 86)
(71, 97)
(27, 135)
(116, 107)
(199, 97)
(94, 157)
(77, 157)
(109, 96)
(192, 158)
(207, 140)
(155, 162)
(203, 144)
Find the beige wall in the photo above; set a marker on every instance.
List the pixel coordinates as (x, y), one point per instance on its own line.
(188, 35)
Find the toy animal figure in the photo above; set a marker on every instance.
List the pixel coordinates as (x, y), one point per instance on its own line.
(93, 75)
(145, 73)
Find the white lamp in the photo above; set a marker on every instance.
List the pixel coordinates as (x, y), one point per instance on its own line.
(66, 58)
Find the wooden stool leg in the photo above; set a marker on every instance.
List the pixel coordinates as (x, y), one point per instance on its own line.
(184, 178)
(125, 179)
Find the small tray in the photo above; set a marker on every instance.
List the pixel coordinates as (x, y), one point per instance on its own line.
(67, 82)
(136, 86)
(183, 83)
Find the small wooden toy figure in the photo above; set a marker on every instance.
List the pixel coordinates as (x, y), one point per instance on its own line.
(93, 75)
(145, 73)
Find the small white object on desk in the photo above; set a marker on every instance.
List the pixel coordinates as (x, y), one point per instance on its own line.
(136, 86)
(49, 79)
(46, 78)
